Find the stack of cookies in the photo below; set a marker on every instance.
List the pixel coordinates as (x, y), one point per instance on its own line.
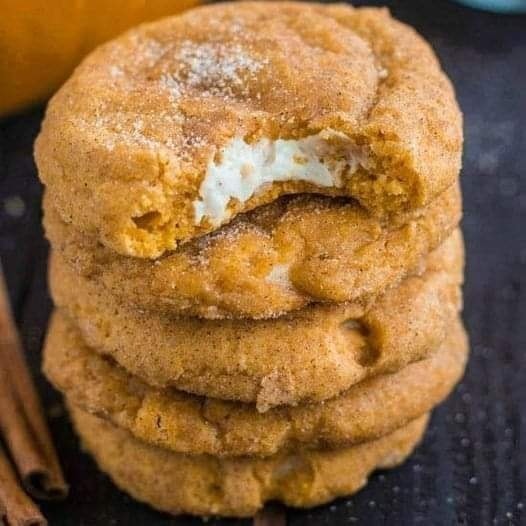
(253, 210)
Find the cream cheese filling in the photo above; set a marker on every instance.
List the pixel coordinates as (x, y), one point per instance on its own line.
(279, 275)
(242, 169)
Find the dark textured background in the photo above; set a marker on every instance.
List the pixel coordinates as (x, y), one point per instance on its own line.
(471, 467)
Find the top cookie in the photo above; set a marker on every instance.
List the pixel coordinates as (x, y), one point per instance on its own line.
(177, 126)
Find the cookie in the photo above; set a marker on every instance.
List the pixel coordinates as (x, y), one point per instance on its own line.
(205, 485)
(197, 425)
(177, 126)
(310, 355)
(274, 260)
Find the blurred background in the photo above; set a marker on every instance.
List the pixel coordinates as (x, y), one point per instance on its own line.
(42, 41)
(471, 468)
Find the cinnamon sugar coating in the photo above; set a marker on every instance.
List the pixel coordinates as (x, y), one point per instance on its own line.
(129, 141)
(311, 355)
(198, 425)
(273, 260)
(204, 485)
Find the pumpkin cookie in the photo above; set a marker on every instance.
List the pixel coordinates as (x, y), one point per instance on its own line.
(205, 485)
(310, 355)
(177, 126)
(195, 425)
(271, 261)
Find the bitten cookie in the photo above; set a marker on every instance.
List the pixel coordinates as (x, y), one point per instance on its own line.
(205, 485)
(172, 129)
(195, 425)
(310, 355)
(274, 260)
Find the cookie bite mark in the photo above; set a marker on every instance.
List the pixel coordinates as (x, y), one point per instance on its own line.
(206, 116)
(242, 169)
(334, 251)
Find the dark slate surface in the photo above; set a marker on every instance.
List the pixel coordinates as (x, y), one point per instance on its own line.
(471, 467)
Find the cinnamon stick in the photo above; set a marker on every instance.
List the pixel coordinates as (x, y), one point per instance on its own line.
(16, 508)
(15, 430)
(21, 417)
(271, 515)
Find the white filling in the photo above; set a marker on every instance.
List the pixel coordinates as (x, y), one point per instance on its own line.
(244, 168)
(279, 275)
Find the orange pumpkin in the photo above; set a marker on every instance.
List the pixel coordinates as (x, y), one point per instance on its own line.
(41, 41)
